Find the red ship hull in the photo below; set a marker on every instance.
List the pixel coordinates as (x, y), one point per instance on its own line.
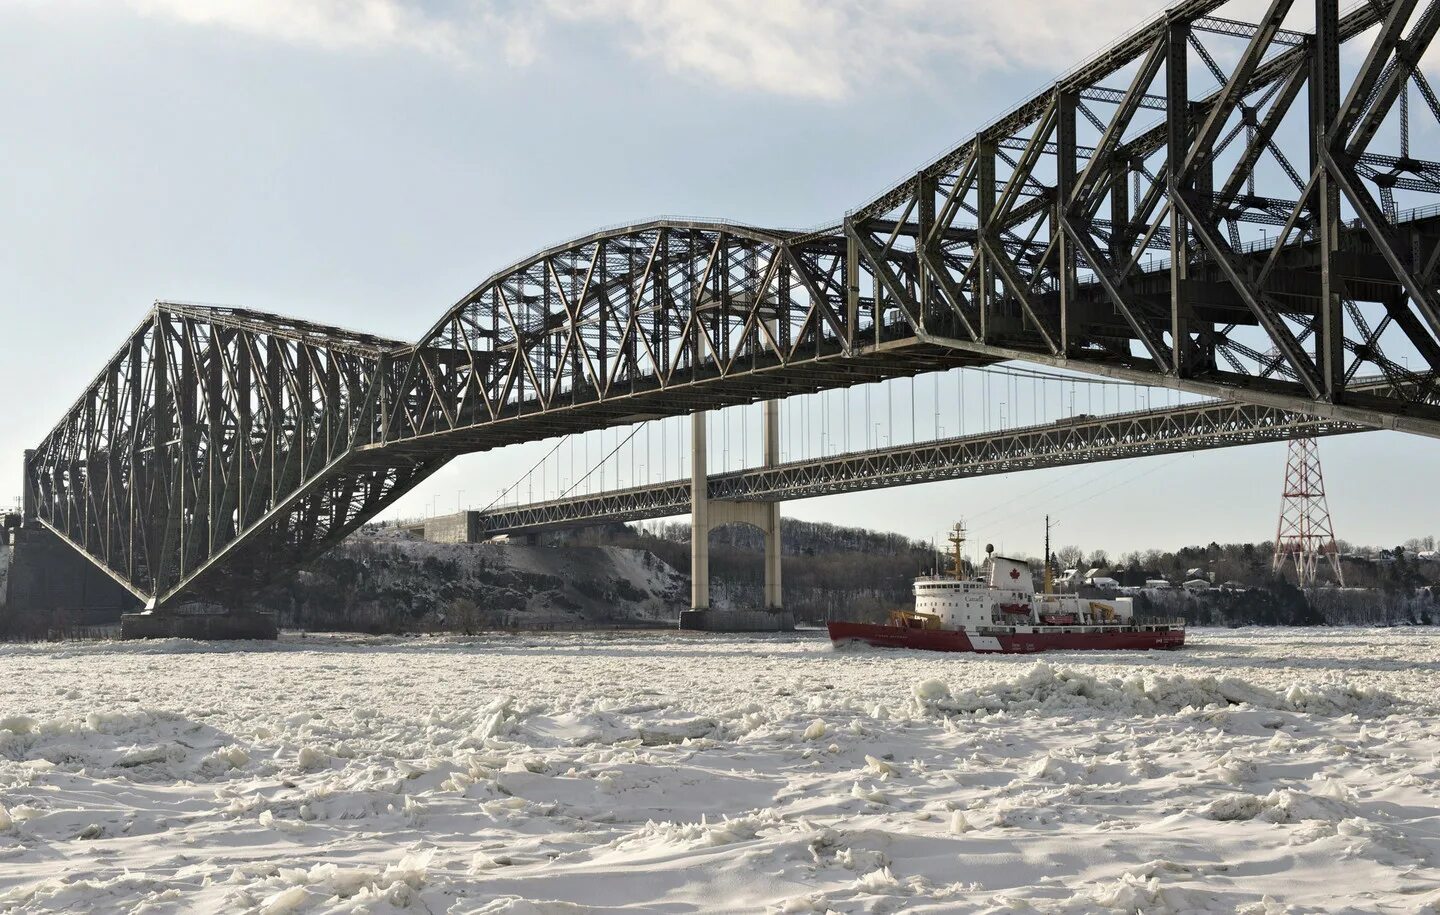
(1117, 639)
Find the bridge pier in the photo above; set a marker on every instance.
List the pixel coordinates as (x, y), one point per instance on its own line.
(204, 624)
(706, 514)
(49, 589)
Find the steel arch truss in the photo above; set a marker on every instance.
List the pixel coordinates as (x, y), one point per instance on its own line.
(1248, 243)
(651, 320)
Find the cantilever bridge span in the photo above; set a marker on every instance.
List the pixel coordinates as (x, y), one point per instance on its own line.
(1228, 208)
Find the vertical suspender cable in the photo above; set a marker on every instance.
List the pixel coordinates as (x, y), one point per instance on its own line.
(935, 429)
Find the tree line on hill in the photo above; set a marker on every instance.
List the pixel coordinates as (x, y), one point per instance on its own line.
(827, 570)
(831, 571)
(1397, 569)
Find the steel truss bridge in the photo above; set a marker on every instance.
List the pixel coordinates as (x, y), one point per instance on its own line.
(1209, 204)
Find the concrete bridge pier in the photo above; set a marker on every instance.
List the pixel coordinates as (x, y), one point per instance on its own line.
(47, 589)
(706, 514)
(51, 589)
(206, 623)
(54, 590)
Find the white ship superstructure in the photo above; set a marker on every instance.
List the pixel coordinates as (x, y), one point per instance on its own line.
(1007, 597)
(1003, 613)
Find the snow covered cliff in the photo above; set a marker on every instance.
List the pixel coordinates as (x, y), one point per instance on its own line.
(389, 583)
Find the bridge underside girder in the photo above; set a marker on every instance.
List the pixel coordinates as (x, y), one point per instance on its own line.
(1267, 241)
(766, 378)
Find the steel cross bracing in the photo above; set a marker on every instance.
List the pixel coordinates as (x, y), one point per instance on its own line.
(1035, 240)
(212, 430)
(1064, 443)
(654, 320)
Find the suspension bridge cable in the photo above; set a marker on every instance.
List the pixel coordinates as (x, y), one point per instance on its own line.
(633, 433)
(1010, 375)
(527, 473)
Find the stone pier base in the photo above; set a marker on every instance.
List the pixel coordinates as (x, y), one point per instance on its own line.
(241, 624)
(737, 620)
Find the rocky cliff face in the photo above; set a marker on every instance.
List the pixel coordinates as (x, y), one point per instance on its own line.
(829, 571)
(383, 580)
(388, 583)
(5, 552)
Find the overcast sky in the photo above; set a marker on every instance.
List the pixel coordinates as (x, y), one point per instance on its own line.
(366, 162)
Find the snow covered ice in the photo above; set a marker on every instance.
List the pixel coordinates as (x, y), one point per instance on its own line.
(1257, 771)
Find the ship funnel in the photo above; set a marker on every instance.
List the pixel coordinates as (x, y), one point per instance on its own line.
(1011, 574)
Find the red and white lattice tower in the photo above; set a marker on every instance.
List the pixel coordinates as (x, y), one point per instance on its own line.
(1305, 533)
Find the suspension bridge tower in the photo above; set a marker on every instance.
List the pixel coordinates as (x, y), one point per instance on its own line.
(1305, 534)
(706, 514)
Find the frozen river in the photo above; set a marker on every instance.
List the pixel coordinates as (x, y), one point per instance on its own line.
(1258, 771)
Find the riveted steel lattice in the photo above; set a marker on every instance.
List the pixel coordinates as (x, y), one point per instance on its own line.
(213, 430)
(1305, 535)
(1080, 231)
(650, 320)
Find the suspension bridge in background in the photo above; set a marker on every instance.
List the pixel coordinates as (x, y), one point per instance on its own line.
(1081, 439)
(1227, 210)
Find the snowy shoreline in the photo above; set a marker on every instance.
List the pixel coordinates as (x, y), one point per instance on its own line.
(656, 771)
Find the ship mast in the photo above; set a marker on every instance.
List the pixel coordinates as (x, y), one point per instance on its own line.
(957, 539)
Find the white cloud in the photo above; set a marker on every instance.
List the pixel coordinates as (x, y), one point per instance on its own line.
(821, 49)
(827, 48)
(791, 47)
(458, 34)
(330, 24)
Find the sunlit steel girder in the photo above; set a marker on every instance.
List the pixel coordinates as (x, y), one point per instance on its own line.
(658, 319)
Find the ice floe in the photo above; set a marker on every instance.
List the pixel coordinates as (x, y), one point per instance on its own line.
(1258, 771)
